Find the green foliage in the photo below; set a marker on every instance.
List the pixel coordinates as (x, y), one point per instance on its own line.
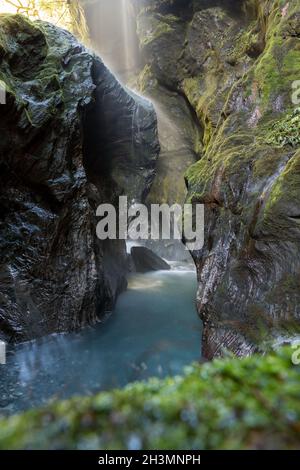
(229, 403)
(286, 131)
(65, 13)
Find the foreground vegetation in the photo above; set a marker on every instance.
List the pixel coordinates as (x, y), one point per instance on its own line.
(229, 403)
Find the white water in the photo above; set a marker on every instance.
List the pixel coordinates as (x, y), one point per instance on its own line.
(113, 34)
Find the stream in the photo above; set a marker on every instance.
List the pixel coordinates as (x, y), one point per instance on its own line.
(154, 331)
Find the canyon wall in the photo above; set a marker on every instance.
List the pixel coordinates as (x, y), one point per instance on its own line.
(234, 63)
(71, 138)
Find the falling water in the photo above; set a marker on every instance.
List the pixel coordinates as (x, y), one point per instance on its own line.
(112, 27)
(113, 34)
(127, 35)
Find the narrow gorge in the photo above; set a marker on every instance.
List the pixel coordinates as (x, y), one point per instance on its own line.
(233, 64)
(220, 75)
(63, 152)
(166, 102)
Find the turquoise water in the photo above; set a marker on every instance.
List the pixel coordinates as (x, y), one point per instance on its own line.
(154, 331)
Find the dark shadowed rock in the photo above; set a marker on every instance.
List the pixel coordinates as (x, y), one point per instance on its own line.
(71, 138)
(145, 260)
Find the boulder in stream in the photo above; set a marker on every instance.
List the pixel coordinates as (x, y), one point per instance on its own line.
(144, 260)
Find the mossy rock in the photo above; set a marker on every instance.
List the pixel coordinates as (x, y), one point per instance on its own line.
(286, 131)
(237, 67)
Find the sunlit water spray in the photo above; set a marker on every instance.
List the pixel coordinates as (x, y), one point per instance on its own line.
(170, 134)
(113, 34)
(127, 35)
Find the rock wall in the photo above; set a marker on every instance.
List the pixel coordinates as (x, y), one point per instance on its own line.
(235, 62)
(71, 138)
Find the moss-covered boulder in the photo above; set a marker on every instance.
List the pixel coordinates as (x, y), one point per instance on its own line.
(71, 138)
(237, 64)
(251, 403)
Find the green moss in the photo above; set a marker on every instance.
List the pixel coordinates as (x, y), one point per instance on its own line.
(157, 26)
(160, 29)
(145, 80)
(32, 53)
(278, 66)
(290, 65)
(247, 41)
(267, 165)
(267, 75)
(240, 87)
(230, 403)
(198, 146)
(192, 89)
(201, 99)
(286, 131)
(285, 189)
(243, 138)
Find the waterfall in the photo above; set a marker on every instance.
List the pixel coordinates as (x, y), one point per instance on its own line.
(113, 34)
(127, 35)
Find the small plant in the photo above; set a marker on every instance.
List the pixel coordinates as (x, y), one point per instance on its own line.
(286, 131)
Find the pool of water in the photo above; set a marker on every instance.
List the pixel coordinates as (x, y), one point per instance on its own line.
(154, 331)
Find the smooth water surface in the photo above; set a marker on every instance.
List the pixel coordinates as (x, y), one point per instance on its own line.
(154, 331)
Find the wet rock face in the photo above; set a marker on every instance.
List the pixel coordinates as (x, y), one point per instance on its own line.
(236, 68)
(55, 275)
(120, 145)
